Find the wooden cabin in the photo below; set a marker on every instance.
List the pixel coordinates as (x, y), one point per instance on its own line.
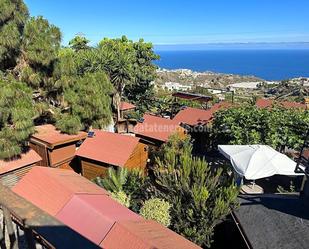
(56, 149)
(198, 124)
(11, 171)
(155, 131)
(126, 108)
(126, 126)
(107, 149)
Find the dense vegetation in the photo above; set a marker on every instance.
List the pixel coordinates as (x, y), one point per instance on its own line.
(279, 127)
(76, 87)
(196, 197)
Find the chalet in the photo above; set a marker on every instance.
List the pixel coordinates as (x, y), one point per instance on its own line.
(156, 130)
(197, 122)
(268, 103)
(107, 149)
(11, 171)
(198, 117)
(56, 149)
(89, 210)
(126, 108)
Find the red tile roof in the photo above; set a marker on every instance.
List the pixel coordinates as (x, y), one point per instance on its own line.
(156, 128)
(87, 209)
(195, 116)
(144, 234)
(126, 106)
(265, 103)
(108, 147)
(94, 215)
(28, 158)
(50, 189)
(51, 136)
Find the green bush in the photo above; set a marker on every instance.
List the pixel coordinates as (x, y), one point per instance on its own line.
(200, 195)
(158, 210)
(121, 197)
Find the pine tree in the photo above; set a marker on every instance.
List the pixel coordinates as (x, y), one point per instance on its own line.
(200, 196)
(88, 103)
(39, 50)
(16, 117)
(13, 15)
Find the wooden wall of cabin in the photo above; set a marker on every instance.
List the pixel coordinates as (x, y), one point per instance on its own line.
(138, 158)
(42, 151)
(59, 157)
(92, 169)
(62, 154)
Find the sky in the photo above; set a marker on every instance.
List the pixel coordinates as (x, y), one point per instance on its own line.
(166, 22)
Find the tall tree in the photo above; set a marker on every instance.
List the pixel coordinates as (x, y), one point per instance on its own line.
(88, 103)
(39, 50)
(117, 57)
(13, 16)
(144, 71)
(16, 117)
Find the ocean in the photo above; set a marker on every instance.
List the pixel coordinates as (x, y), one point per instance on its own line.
(267, 64)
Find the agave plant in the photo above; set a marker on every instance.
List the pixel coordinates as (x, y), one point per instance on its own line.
(114, 181)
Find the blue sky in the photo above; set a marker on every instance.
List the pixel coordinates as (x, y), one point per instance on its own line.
(179, 21)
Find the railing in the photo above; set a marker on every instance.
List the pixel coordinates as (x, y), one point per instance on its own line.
(39, 228)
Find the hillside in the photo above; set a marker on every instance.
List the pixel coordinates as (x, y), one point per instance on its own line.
(205, 79)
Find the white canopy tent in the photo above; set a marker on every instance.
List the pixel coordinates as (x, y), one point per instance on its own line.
(258, 161)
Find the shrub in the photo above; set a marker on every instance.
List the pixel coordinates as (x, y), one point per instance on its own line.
(200, 196)
(158, 210)
(121, 197)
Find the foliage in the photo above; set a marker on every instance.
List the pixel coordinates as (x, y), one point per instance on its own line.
(144, 72)
(16, 117)
(68, 123)
(40, 42)
(79, 43)
(138, 186)
(277, 127)
(132, 182)
(114, 181)
(121, 197)
(88, 102)
(199, 196)
(13, 15)
(39, 50)
(158, 210)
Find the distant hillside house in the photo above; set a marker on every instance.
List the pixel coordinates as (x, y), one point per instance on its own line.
(126, 108)
(90, 211)
(156, 130)
(107, 149)
(175, 86)
(268, 103)
(56, 149)
(11, 171)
